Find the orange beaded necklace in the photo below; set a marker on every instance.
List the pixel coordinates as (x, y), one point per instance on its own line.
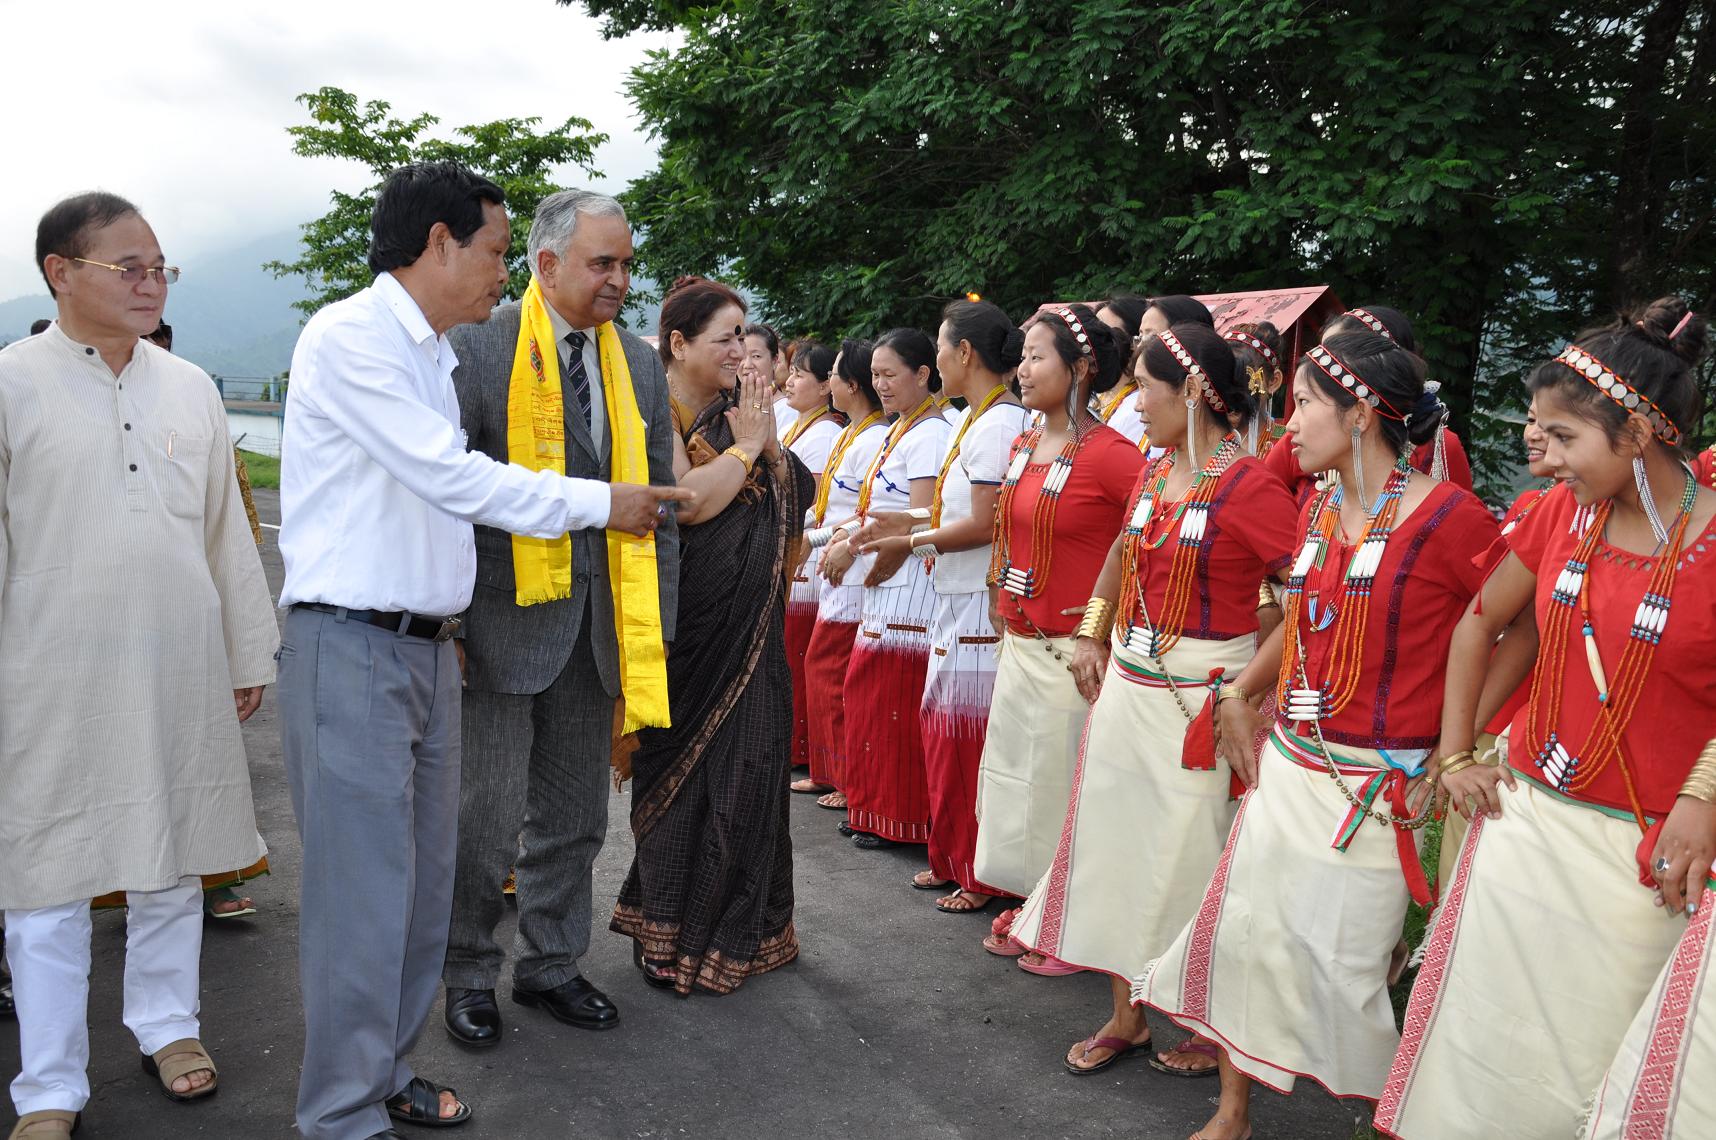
(953, 449)
(895, 434)
(835, 455)
(1027, 581)
(1190, 519)
(1348, 612)
(1572, 771)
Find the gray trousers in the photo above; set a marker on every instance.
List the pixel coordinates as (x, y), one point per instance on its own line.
(370, 729)
(535, 799)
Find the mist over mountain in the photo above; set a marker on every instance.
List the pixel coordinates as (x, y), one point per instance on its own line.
(235, 319)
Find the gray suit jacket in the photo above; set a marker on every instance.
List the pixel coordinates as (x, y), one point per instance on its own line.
(521, 649)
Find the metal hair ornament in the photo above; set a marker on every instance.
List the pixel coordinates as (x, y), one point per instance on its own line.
(1342, 373)
(1263, 350)
(1629, 399)
(1370, 321)
(1194, 372)
(1076, 326)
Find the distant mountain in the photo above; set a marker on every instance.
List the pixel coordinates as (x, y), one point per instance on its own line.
(229, 315)
(233, 318)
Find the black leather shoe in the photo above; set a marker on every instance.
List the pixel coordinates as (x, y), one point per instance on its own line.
(576, 1002)
(472, 1017)
(390, 1134)
(8, 1008)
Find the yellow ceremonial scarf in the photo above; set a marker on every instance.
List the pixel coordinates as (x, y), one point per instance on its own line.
(536, 438)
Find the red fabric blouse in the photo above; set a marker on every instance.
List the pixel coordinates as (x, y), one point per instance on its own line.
(1282, 460)
(1530, 499)
(1704, 467)
(1429, 572)
(1249, 537)
(1091, 512)
(1675, 716)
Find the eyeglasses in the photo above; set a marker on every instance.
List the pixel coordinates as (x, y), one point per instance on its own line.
(132, 274)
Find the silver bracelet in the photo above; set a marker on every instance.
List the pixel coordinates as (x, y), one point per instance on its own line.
(818, 538)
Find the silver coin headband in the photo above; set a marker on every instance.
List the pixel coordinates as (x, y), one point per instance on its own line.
(1076, 327)
(1342, 373)
(1253, 343)
(1194, 372)
(1370, 321)
(1609, 382)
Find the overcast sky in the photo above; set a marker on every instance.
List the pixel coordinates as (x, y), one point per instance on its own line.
(182, 105)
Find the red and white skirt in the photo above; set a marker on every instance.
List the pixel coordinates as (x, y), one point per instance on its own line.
(887, 793)
(955, 712)
(801, 611)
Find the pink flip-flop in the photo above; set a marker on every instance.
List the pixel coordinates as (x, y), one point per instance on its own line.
(1049, 967)
(1003, 946)
(1121, 1047)
(1202, 1048)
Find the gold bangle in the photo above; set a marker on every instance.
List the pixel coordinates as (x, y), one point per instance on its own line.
(1701, 781)
(1230, 691)
(1266, 597)
(1098, 620)
(1458, 762)
(740, 454)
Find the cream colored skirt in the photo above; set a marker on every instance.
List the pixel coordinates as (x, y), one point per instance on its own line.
(1285, 962)
(1543, 949)
(1142, 833)
(1662, 1083)
(1029, 752)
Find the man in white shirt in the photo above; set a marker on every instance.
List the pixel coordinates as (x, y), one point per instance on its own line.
(378, 497)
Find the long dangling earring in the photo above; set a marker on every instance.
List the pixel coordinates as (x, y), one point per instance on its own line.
(1192, 432)
(1358, 465)
(1642, 479)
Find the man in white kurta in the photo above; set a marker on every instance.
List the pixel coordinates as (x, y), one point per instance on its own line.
(135, 629)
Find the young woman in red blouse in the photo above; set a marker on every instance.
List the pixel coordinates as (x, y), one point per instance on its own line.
(1285, 963)
(1451, 465)
(1061, 503)
(1150, 806)
(1547, 942)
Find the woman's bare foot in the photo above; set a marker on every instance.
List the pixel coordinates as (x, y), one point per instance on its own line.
(834, 801)
(1224, 1127)
(963, 902)
(1184, 1058)
(1083, 1058)
(928, 880)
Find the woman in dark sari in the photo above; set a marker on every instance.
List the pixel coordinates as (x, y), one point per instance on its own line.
(709, 899)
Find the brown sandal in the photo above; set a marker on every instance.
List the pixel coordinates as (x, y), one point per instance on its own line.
(46, 1124)
(181, 1059)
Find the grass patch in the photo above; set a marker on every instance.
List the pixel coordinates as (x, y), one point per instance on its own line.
(264, 469)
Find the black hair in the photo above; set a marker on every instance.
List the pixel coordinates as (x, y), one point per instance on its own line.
(770, 337)
(414, 198)
(990, 332)
(1110, 348)
(1395, 373)
(1181, 310)
(40, 325)
(1129, 309)
(1644, 349)
(65, 229)
(1399, 328)
(915, 348)
(162, 336)
(1214, 355)
(688, 308)
(815, 358)
(854, 368)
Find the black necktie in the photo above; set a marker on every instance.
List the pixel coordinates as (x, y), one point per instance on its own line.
(575, 374)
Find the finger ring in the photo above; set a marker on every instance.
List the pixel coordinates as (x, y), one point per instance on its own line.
(755, 404)
(1661, 865)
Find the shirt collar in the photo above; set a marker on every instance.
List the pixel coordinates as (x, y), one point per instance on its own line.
(405, 308)
(563, 327)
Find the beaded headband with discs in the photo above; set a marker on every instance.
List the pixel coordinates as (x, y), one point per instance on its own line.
(1194, 372)
(1342, 373)
(1370, 321)
(1609, 382)
(1076, 327)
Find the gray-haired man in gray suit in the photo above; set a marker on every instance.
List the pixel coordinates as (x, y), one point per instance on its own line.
(541, 680)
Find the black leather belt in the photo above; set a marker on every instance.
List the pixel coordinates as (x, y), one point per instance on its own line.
(402, 622)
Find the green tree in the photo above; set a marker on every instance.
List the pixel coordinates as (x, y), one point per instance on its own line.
(1502, 170)
(511, 152)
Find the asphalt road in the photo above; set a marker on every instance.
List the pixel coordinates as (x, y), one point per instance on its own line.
(893, 1024)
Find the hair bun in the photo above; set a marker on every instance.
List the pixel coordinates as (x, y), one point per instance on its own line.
(1013, 347)
(1427, 414)
(1670, 323)
(683, 282)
